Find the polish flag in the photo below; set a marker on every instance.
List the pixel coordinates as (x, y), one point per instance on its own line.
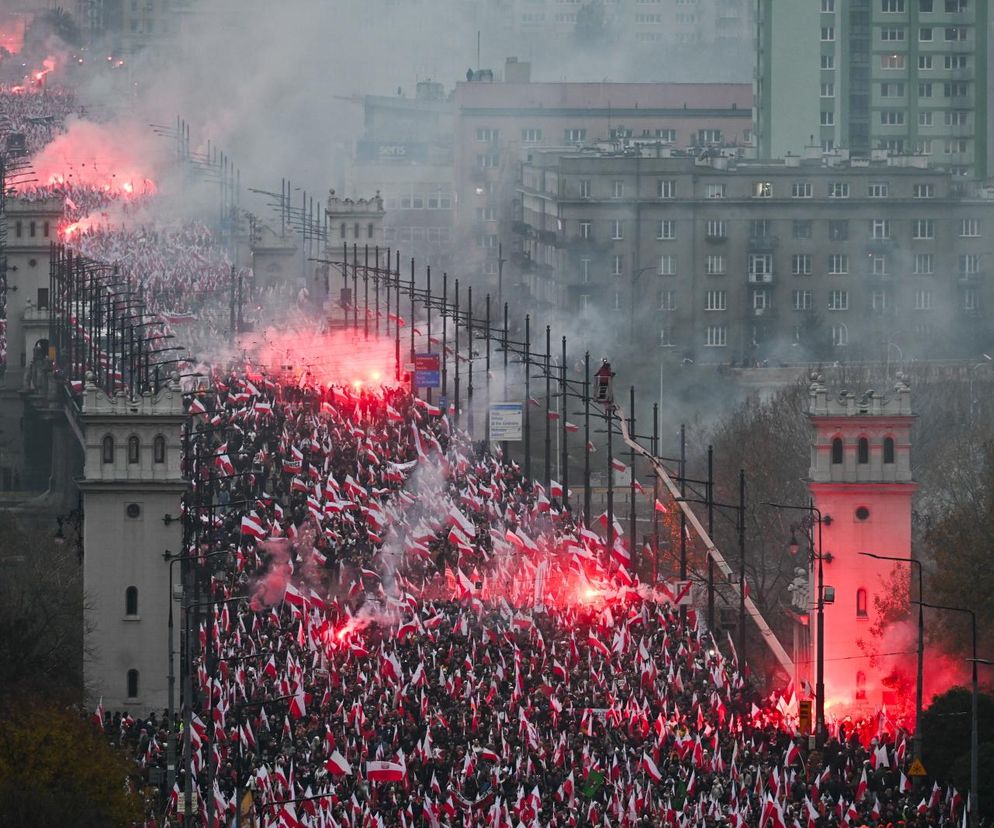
(555, 489)
(252, 528)
(650, 768)
(553, 415)
(196, 407)
(385, 771)
(298, 709)
(338, 765)
(661, 508)
(457, 518)
(618, 466)
(597, 644)
(489, 755)
(572, 428)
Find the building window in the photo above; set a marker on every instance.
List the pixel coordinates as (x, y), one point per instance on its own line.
(888, 450)
(802, 300)
(531, 135)
(895, 62)
(667, 300)
(159, 449)
(714, 229)
(828, 90)
(108, 449)
(619, 189)
(133, 449)
(892, 6)
(714, 265)
(666, 265)
(708, 136)
(827, 34)
(838, 264)
(925, 62)
(666, 230)
(923, 300)
(892, 35)
(584, 188)
(925, 119)
(880, 229)
(617, 230)
(925, 5)
(863, 451)
(715, 300)
(924, 229)
(840, 336)
(861, 603)
(487, 134)
(827, 6)
(802, 229)
(925, 34)
(575, 135)
(131, 601)
(837, 451)
(828, 62)
(838, 230)
(666, 189)
(715, 336)
(892, 117)
(617, 265)
(801, 264)
(838, 300)
(924, 264)
(924, 191)
(838, 189)
(878, 264)
(716, 191)
(969, 228)
(827, 117)
(132, 684)
(801, 189)
(763, 189)
(879, 190)
(585, 229)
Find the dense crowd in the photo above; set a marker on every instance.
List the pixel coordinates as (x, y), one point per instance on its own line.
(39, 113)
(405, 631)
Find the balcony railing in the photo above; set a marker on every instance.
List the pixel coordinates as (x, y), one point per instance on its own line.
(760, 278)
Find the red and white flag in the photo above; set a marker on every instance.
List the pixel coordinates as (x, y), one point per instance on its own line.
(650, 768)
(252, 528)
(385, 771)
(338, 765)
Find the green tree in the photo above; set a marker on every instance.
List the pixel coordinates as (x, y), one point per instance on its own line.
(56, 768)
(946, 742)
(41, 614)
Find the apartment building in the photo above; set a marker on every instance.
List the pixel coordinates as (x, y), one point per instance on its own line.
(498, 123)
(907, 76)
(720, 259)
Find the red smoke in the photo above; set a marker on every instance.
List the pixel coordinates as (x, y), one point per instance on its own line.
(117, 160)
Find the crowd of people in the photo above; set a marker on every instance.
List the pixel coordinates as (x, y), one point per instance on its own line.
(405, 631)
(38, 113)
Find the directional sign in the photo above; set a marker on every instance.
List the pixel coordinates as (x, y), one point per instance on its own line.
(917, 769)
(506, 422)
(427, 370)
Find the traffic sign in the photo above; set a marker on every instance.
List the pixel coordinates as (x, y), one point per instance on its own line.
(506, 422)
(917, 769)
(427, 370)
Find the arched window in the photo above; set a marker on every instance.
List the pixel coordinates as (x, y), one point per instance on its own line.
(159, 449)
(131, 601)
(861, 685)
(355, 231)
(861, 603)
(108, 449)
(837, 451)
(888, 449)
(133, 447)
(369, 230)
(342, 229)
(863, 451)
(132, 684)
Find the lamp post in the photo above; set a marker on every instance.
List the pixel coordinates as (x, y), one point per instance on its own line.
(636, 277)
(917, 738)
(815, 516)
(973, 375)
(974, 816)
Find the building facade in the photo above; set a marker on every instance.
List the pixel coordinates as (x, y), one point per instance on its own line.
(907, 76)
(860, 480)
(721, 259)
(499, 123)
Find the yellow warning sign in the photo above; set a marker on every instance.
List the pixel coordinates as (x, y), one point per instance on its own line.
(917, 769)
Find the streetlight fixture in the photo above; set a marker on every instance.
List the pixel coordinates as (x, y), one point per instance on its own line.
(917, 738)
(813, 517)
(974, 816)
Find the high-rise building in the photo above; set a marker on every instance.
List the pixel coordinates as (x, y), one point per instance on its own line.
(906, 76)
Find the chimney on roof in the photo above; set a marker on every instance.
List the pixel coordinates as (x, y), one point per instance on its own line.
(517, 71)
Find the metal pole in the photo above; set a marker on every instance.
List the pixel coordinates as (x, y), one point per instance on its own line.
(564, 460)
(974, 809)
(505, 446)
(365, 290)
(820, 642)
(528, 404)
(428, 322)
(631, 469)
(455, 349)
(469, 357)
(445, 334)
(609, 416)
(742, 571)
(710, 508)
(655, 496)
(586, 439)
(548, 406)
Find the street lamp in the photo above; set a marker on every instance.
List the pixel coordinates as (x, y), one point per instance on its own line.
(636, 275)
(973, 706)
(814, 516)
(917, 739)
(973, 374)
